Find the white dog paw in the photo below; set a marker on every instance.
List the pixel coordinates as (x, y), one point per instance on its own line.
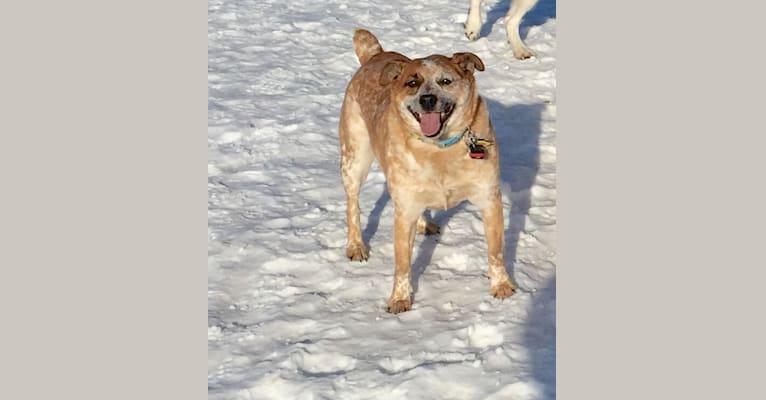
(523, 52)
(472, 28)
(471, 34)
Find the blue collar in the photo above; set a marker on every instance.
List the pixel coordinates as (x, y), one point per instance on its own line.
(441, 143)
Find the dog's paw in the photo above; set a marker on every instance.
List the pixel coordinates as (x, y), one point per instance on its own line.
(472, 26)
(397, 306)
(502, 290)
(523, 52)
(428, 228)
(471, 34)
(357, 252)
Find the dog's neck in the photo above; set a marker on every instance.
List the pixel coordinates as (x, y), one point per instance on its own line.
(441, 143)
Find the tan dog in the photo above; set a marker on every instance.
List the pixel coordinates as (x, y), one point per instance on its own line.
(424, 122)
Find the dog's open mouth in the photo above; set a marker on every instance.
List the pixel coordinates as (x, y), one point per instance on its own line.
(431, 123)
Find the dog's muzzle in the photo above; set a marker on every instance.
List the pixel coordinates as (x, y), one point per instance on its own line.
(431, 121)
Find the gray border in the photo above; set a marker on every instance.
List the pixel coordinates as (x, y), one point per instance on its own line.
(104, 200)
(656, 177)
(658, 195)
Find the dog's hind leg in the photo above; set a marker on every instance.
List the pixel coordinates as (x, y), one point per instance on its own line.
(518, 9)
(473, 21)
(424, 226)
(355, 159)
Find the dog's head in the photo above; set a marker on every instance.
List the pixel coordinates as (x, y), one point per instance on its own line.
(436, 95)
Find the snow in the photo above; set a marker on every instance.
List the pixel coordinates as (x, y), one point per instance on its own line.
(289, 317)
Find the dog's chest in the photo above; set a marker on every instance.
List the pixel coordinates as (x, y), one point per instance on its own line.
(436, 183)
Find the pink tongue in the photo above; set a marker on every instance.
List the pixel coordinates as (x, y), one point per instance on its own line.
(430, 123)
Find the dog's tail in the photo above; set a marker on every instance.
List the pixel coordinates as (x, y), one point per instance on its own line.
(366, 45)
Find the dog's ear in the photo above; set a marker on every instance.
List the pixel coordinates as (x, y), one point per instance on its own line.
(467, 62)
(390, 72)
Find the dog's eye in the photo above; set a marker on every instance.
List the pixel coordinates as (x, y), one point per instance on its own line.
(445, 81)
(412, 83)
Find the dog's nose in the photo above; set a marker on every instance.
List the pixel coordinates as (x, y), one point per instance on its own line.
(428, 102)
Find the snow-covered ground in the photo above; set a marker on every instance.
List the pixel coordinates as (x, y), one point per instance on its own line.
(289, 316)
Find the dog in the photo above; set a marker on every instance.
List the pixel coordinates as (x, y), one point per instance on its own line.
(425, 123)
(516, 12)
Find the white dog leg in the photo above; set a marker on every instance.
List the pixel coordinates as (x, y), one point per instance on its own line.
(473, 22)
(518, 9)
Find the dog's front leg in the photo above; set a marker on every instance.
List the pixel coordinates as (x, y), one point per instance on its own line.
(404, 238)
(472, 26)
(500, 285)
(516, 12)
